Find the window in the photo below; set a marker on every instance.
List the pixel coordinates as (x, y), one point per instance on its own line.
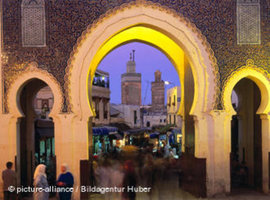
(248, 22)
(135, 117)
(97, 108)
(169, 104)
(174, 99)
(33, 23)
(174, 119)
(101, 81)
(105, 109)
(148, 124)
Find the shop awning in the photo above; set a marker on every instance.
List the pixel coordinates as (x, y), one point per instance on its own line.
(103, 130)
(137, 131)
(154, 135)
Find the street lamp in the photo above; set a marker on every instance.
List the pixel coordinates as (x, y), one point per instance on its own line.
(169, 83)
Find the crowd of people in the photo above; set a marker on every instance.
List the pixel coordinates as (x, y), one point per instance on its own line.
(141, 168)
(118, 169)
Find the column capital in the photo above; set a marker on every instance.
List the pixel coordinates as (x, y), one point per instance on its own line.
(265, 116)
(216, 114)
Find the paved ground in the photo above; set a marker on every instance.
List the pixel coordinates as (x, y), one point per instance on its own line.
(182, 195)
(168, 190)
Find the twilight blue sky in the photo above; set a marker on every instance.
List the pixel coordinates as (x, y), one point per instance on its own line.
(148, 59)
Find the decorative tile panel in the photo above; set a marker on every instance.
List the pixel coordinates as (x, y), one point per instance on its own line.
(33, 23)
(248, 22)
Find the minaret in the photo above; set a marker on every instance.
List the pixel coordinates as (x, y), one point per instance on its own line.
(158, 94)
(131, 83)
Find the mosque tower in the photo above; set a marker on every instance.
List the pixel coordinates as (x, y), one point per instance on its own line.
(158, 93)
(131, 83)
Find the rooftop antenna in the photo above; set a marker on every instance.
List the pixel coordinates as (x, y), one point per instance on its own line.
(130, 56)
(133, 54)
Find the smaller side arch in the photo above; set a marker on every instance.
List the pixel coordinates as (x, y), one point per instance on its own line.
(33, 72)
(255, 74)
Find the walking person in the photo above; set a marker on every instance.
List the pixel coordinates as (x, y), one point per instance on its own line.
(66, 181)
(40, 183)
(9, 182)
(129, 181)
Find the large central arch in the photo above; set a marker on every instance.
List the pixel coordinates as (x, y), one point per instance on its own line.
(179, 30)
(160, 27)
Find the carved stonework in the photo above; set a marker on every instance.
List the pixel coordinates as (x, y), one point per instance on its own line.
(67, 20)
(141, 3)
(25, 69)
(248, 22)
(249, 65)
(33, 23)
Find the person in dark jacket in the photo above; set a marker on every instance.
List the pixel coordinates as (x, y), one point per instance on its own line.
(66, 181)
(9, 180)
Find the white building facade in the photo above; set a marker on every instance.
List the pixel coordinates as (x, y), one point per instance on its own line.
(151, 119)
(101, 97)
(130, 114)
(173, 104)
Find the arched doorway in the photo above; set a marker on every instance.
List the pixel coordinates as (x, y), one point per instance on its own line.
(249, 131)
(21, 103)
(36, 131)
(134, 79)
(163, 29)
(246, 154)
(129, 28)
(175, 54)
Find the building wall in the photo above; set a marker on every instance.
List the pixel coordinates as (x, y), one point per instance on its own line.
(128, 113)
(101, 102)
(63, 31)
(66, 21)
(154, 119)
(173, 105)
(158, 96)
(131, 89)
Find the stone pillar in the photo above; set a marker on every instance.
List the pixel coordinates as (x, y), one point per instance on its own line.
(183, 135)
(240, 137)
(220, 152)
(3, 131)
(30, 135)
(265, 151)
(8, 144)
(201, 136)
(71, 145)
(108, 109)
(188, 88)
(1, 66)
